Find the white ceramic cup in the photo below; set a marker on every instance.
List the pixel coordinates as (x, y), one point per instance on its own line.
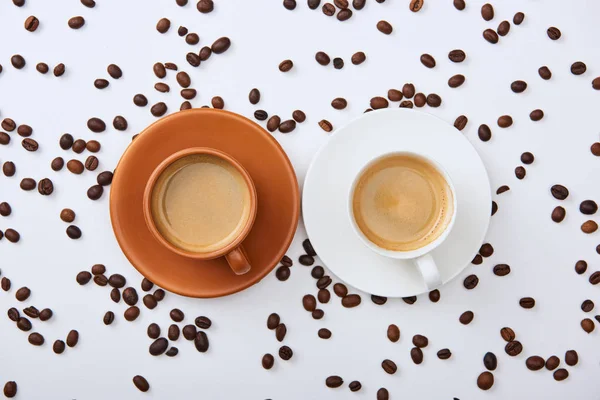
(421, 256)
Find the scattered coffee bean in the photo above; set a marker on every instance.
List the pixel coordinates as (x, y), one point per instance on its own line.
(456, 80)
(487, 12)
(379, 300)
(153, 331)
(189, 332)
(420, 341)
(115, 295)
(338, 63)
(518, 86)
(527, 302)
(75, 166)
(491, 36)
(466, 317)
(283, 273)
(58, 347)
(485, 380)
(159, 294)
(267, 361)
(150, 301)
(416, 354)
(588, 207)
(589, 227)
(393, 333)
(286, 65)
(72, 338)
(324, 296)
(518, 18)
(18, 61)
(163, 25)
(30, 144)
(287, 126)
(299, 116)
(73, 232)
(503, 28)
(159, 346)
(328, 9)
(76, 22)
(384, 27)
(188, 94)
(8, 125)
(427, 60)
(389, 366)
(8, 168)
(501, 270)
(520, 172)
(536, 115)
(358, 58)
(140, 100)
(36, 339)
(477, 260)
(379, 102)
(159, 109)
(31, 23)
(324, 333)
(339, 103)
(460, 122)
(351, 301)
(552, 363)
(12, 235)
(218, 102)
(484, 132)
(108, 318)
(59, 70)
(406, 104)
(100, 280)
(192, 39)
(31, 312)
(141, 383)
(254, 96)
(580, 267)
(513, 348)
(91, 163)
(433, 100)
(4, 138)
(57, 164)
(571, 358)
(147, 285)
(104, 178)
(505, 121)
(334, 381)
(13, 314)
(507, 334)
(471, 282)
(587, 325)
(23, 293)
(83, 277)
(340, 290)
(24, 324)
(410, 299)
(490, 361)
(395, 95)
(306, 260)
(382, 393)
(117, 281)
(176, 315)
(285, 353)
(131, 313)
(173, 333)
(5, 209)
(553, 33)
(314, 4)
(561, 374)
(130, 296)
(273, 321)
(578, 68)
(205, 6)
(325, 125)
(273, 123)
(344, 14)
(486, 250)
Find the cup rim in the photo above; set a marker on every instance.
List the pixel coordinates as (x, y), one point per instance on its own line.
(409, 254)
(148, 209)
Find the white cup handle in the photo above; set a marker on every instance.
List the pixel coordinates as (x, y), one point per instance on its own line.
(429, 271)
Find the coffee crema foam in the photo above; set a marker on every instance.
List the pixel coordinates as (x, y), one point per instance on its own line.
(402, 203)
(200, 203)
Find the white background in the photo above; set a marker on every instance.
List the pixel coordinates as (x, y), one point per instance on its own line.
(542, 254)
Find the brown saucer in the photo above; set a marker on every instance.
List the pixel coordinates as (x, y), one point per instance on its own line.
(256, 150)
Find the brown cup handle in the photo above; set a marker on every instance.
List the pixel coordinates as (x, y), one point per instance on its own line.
(238, 260)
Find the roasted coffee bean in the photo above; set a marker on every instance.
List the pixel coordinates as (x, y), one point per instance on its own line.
(108, 318)
(159, 109)
(485, 380)
(176, 315)
(503, 188)
(306, 260)
(94, 146)
(503, 28)
(358, 58)
(163, 25)
(32, 23)
(460, 122)
(261, 115)
(589, 227)
(487, 12)
(580, 267)
(536, 115)
(273, 123)
(283, 273)
(325, 125)
(141, 383)
(147, 285)
(466, 317)
(379, 300)
(434, 296)
(341, 4)
(491, 36)
(578, 68)
(5, 209)
(36, 339)
(520, 172)
(507, 334)
(518, 86)
(58, 347)
(286, 65)
(505, 121)
(595, 278)
(42, 68)
(559, 192)
(131, 313)
(588, 207)
(501, 270)
(444, 354)
(9, 169)
(10, 387)
(76, 22)
(31, 312)
(395, 95)
(314, 4)
(318, 314)
(26, 131)
(416, 354)
(13, 314)
(173, 333)
(587, 325)
(280, 332)
(339, 103)
(75, 166)
(545, 73)
(91, 163)
(150, 301)
(382, 393)
(287, 126)
(153, 331)
(104, 178)
(193, 59)
(471, 282)
(192, 39)
(518, 18)
(309, 302)
(114, 71)
(285, 353)
(427, 60)
(183, 79)
(324, 333)
(344, 15)
(159, 294)
(379, 102)
(324, 296)
(100, 280)
(57, 164)
(5, 284)
(24, 324)
(117, 281)
(201, 342)
(552, 363)
(334, 381)
(513, 348)
(389, 366)
(218, 102)
(4, 138)
(456, 80)
(203, 322)
(59, 70)
(221, 45)
(73, 232)
(355, 386)
(328, 9)
(18, 61)
(119, 123)
(317, 272)
(340, 290)
(45, 314)
(408, 90)
(560, 374)
(115, 295)
(79, 146)
(420, 341)
(205, 6)
(140, 100)
(324, 282)
(66, 141)
(415, 5)
(553, 33)
(130, 296)
(83, 277)
(159, 70)
(477, 260)
(457, 56)
(158, 347)
(484, 132)
(188, 94)
(351, 300)
(254, 96)
(12, 235)
(433, 100)
(571, 358)
(189, 332)
(273, 321)
(490, 361)
(384, 27)
(410, 299)
(527, 302)
(96, 125)
(393, 333)
(8, 124)
(23, 293)
(72, 338)
(267, 361)
(299, 116)
(486, 250)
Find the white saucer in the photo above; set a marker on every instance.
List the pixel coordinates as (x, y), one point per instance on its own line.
(330, 176)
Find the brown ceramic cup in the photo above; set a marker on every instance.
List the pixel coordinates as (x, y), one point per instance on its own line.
(232, 250)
